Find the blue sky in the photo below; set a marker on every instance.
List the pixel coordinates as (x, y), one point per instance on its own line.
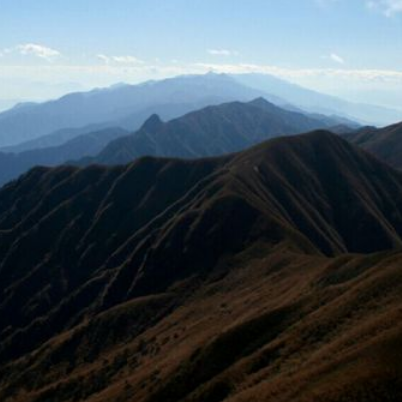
(347, 47)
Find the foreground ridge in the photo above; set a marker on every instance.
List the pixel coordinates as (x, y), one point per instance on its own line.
(272, 274)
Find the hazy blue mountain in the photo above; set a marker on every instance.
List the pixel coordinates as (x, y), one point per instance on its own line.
(214, 130)
(315, 102)
(131, 122)
(6, 104)
(126, 106)
(13, 165)
(54, 139)
(134, 121)
(118, 103)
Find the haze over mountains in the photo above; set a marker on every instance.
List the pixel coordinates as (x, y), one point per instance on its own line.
(316, 102)
(212, 131)
(224, 279)
(12, 165)
(127, 106)
(215, 130)
(192, 260)
(201, 201)
(120, 105)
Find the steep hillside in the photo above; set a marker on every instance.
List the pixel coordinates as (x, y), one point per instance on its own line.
(385, 143)
(224, 279)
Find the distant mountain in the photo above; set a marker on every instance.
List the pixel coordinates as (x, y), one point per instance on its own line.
(13, 165)
(315, 102)
(130, 122)
(128, 106)
(212, 131)
(385, 143)
(118, 103)
(269, 275)
(6, 104)
(54, 139)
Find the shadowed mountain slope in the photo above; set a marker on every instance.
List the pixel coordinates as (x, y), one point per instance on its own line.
(223, 279)
(385, 143)
(212, 131)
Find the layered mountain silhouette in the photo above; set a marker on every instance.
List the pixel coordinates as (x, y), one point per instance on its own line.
(212, 131)
(215, 130)
(272, 274)
(131, 123)
(127, 106)
(12, 165)
(385, 143)
(120, 105)
(316, 102)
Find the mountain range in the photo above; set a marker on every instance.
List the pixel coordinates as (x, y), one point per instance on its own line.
(119, 106)
(127, 106)
(212, 131)
(215, 130)
(13, 165)
(316, 102)
(271, 274)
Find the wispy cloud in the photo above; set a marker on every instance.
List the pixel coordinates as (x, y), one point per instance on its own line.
(222, 52)
(101, 74)
(202, 67)
(33, 49)
(119, 59)
(336, 58)
(104, 58)
(388, 7)
(289, 73)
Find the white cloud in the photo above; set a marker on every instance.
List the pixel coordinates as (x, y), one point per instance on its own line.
(127, 60)
(104, 58)
(169, 69)
(101, 74)
(387, 7)
(336, 58)
(119, 59)
(367, 75)
(222, 52)
(36, 50)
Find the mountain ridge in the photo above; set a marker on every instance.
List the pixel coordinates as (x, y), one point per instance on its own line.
(221, 264)
(384, 142)
(211, 131)
(126, 106)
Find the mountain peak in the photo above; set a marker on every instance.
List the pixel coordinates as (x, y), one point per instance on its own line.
(154, 121)
(261, 102)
